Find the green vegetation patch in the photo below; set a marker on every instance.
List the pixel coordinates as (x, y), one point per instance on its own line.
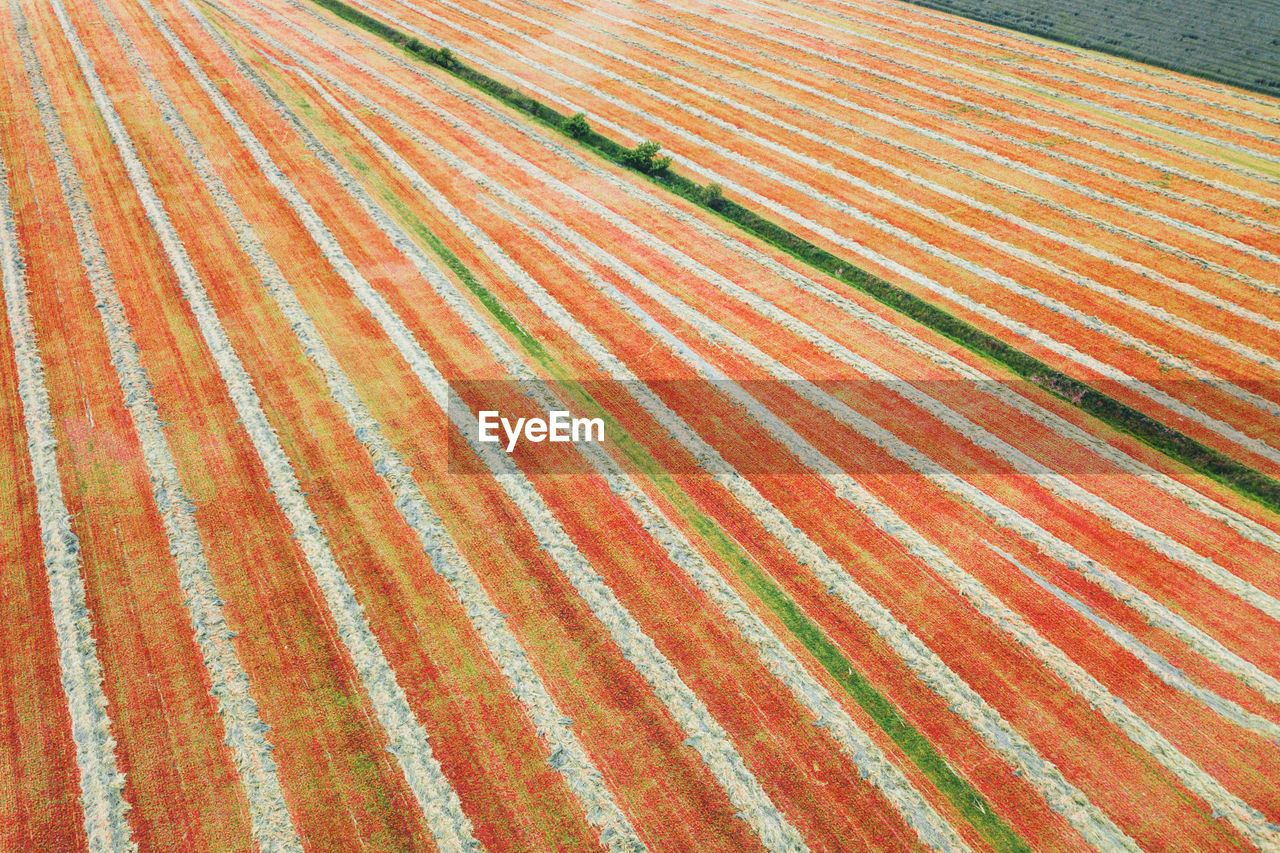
(914, 744)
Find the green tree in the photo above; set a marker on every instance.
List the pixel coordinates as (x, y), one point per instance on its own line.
(643, 158)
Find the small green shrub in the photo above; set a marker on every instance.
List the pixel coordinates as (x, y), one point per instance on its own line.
(643, 158)
(576, 126)
(445, 58)
(711, 195)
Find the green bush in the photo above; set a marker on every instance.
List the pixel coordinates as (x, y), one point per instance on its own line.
(576, 126)
(712, 195)
(445, 58)
(642, 158)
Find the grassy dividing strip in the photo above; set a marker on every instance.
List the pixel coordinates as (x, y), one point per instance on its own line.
(1174, 444)
(966, 800)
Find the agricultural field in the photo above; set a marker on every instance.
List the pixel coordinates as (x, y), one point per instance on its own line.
(1232, 41)
(554, 425)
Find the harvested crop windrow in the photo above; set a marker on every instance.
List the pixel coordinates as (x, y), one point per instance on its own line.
(245, 731)
(1123, 381)
(581, 775)
(706, 735)
(1103, 576)
(930, 246)
(927, 824)
(39, 784)
(409, 743)
(1197, 779)
(972, 64)
(101, 783)
(41, 788)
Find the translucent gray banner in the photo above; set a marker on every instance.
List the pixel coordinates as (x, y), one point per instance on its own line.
(770, 427)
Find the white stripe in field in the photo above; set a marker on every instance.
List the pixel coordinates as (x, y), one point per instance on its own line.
(870, 761)
(707, 737)
(101, 783)
(581, 776)
(408, 739)
(245, 732)
(1248, 820)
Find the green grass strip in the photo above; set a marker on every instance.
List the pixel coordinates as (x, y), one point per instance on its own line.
(1176, 445)
(967, 801)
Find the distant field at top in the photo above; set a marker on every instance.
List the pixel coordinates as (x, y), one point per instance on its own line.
(1231, 41)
